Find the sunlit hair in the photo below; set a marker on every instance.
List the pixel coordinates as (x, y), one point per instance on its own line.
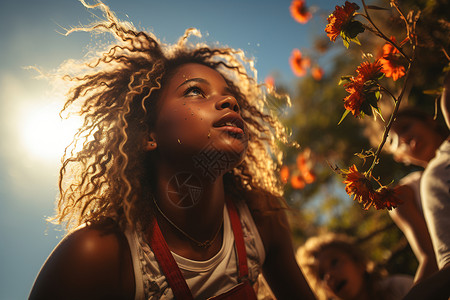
(307, 257)
(116, 96)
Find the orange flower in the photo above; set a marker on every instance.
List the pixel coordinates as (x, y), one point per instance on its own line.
(304, 166)
(297, 182)
(339, 19)
(309, 176)
(299, 64)
(299, 11)
(317, 73)
(354, 101)
(369, 71)
(391, 61)
(386, 198)
(360, 87)
(359, 185)
(284, 174)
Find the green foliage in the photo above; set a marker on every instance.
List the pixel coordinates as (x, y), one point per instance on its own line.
(350, 33)
(346, 112)
(317, 109)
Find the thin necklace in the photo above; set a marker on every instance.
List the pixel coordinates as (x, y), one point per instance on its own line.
(205, 244)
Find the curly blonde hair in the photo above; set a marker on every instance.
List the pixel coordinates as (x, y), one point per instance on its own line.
(116, 97)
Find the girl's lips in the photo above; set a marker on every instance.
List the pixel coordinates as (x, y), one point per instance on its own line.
(231, 119)
(231, 123)
(340, 285)
(231, 129)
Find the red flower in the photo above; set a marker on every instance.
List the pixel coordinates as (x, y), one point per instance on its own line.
(317, 73)
(386, 198)
(299, 11)
(369, 71)
(359, 185)
(354, 101)
(360, 87)
(299, 64)
(391, 61)
(339, 19)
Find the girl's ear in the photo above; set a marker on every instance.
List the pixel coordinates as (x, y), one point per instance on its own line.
(151, 144)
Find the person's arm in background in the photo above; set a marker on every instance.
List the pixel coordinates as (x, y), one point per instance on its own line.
(280, 269)
(445, 100)
(436, 286)
(411, 222)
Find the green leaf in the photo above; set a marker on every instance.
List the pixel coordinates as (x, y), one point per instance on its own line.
(353, 28)
(348, 37)
(372, 99)
(345, 39)
(369, 84)
(379, 76)
(377, 110)
(378, 95)
(355, 40)
(366, 108)
(345, 42)
(345, 79)
(343, 116)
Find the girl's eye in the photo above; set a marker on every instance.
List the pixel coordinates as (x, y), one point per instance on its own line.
(194, 91)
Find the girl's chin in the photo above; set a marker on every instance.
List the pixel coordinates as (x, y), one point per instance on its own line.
(234, 149)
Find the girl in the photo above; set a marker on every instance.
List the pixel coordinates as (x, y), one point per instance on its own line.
(414, 139)
(174, 192)
(435, 193)
(337, 269)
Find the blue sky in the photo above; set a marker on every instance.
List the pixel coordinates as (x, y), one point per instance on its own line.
(31, 135)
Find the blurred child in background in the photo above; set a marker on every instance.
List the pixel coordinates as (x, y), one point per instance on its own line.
(336, 268)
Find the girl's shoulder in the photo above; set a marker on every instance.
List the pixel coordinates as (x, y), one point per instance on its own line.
(269, 215)
(396, 286)
(96, 243)
(92, 261)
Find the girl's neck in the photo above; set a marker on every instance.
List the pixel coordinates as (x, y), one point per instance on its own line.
(195, 206)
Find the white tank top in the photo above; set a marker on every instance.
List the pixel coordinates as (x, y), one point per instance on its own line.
(413, 181)
(204, 278)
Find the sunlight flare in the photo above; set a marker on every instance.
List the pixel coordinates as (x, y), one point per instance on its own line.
(44, 133)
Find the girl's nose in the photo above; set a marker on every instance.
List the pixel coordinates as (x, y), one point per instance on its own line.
(329, 279)
(229, 102)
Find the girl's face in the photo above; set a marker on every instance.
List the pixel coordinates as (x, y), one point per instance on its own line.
(199, 123)
(413, 141)
(341, 276)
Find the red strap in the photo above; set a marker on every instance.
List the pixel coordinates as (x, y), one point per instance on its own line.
(167, 263)
(238, 239)
(169, 266)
